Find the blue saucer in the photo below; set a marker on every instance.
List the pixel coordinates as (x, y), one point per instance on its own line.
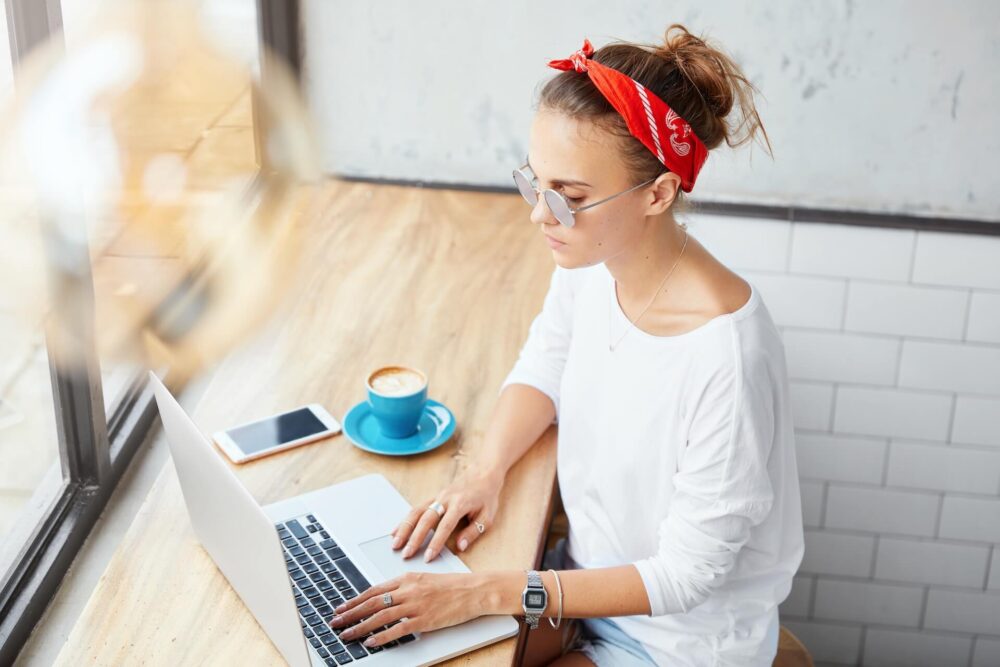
(436, 425)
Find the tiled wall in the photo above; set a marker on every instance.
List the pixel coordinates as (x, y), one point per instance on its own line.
(893, 345)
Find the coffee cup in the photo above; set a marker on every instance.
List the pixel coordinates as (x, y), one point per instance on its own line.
(397, 395)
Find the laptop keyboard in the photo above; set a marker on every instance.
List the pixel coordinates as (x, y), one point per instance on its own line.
(323, 577)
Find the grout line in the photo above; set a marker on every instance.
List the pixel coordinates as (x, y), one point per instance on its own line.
(951, 418)
(913, 257)
(878, 540)
(788, 247)
(968, 316)
(811, 611)
(989, 565)
(861, 644)
(843, 305)
(823, 504)
(885, 463)
(923, 607)
(899, 362)
(940, 514)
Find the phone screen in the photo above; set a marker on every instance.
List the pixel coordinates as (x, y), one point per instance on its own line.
(274, 431)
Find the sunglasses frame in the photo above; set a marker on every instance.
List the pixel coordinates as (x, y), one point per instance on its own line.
(544, 194)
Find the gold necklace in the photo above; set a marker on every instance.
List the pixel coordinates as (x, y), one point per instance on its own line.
(614, 294)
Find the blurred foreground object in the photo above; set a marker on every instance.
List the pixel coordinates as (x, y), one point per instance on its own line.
(137, 214)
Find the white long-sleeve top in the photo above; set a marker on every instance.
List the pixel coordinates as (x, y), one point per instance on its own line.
(675, 454)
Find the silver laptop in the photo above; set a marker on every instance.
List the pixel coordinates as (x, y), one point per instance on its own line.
(293, 561)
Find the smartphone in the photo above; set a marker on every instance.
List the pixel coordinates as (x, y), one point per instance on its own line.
(277, 433)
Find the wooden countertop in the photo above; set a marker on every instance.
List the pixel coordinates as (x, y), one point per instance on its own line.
(443, 280)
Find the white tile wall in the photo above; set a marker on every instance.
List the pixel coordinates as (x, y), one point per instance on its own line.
(892, 339)
(851, 252)
(962, 260)
(931, 562)
(906, 310)
(963, 611)
(953, 468)
(950, 367)
(901, 648)
(892, 412)
(838, 553)
(841, 357)
(868, 602)
(984, 317)
(977, 421)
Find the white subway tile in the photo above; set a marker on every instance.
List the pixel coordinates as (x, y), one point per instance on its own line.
(841, 458)
(926, 562)
(892, 412)
(986, 652)
(984, 317)
(977, 421)
(902, 648)
(801, 300)
(964, 260)
(944, 468)
(950, 367)
(971, 519)
(743, 243)
(837, 553)
(868, 602)
(905, 310)
(828, 642)
(840, 357)
(852, 252)
(963, 611)
(811, 405)
(881, 510)
(797, 602)
(811, 494)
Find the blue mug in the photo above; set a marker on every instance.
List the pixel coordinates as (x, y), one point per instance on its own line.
(397, 411)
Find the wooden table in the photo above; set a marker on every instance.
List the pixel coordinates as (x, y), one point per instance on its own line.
(443, 280)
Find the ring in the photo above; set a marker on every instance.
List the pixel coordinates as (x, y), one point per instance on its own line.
(387, 599)
(437, 507)
(480, 527)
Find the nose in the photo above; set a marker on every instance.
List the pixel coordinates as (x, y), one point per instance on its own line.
(541, 214)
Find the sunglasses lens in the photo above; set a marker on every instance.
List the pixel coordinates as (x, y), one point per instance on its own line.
(524, 187)
(559, 208)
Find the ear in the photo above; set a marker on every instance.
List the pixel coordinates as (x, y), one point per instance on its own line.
(664, 189)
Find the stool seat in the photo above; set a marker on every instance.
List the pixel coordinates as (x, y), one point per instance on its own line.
(791, 652)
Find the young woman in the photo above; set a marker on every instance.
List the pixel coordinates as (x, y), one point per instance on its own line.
(667, 378)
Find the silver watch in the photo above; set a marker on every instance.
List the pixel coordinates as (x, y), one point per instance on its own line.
(534, 599)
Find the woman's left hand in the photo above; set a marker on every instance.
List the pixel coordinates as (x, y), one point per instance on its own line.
(428, 601)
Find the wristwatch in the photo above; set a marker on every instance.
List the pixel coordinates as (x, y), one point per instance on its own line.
(534, 599)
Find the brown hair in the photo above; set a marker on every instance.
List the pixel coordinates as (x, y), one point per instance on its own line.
(696, 79)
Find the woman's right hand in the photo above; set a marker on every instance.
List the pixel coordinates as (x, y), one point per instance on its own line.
(474, 495)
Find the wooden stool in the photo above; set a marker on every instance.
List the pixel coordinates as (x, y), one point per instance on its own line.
(791, 652)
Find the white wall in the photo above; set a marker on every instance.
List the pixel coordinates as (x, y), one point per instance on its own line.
(874, 106)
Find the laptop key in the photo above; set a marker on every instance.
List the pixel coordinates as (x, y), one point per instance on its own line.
(352, 573)
(314, 620)
(335, 553)
(296, 550)
(324, 610)
(311, 528)
(356, 650)
(303, 559)
(344, 658)
(342, 585)
(315, 642)
(309, 633)
(325, 585)
(325, 535)
(307, 542)
(309, 591)
(296, 529)
(323, 653)
(301, 601)
(315, 551)
(329, 661)
(406, 639)
(310, 518)
(328, 544)
(329, 640)
(310, 567)
(328, 567)
(322, 558)
(283, 532)
(318, 577)
(289, 542)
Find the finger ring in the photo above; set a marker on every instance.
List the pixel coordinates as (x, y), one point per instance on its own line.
(387, 599)
(437, 507)
(480, 527)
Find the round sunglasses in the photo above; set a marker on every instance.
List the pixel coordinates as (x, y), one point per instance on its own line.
(560, 208)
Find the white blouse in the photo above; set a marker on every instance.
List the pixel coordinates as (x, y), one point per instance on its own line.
(676, 454)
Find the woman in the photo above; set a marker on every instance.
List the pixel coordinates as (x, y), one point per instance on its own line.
(666, 376)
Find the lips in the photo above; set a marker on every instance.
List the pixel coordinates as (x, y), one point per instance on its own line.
(553, 241)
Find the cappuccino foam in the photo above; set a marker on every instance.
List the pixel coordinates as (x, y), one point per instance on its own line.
(396, 381)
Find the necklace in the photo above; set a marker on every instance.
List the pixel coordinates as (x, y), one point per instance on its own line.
(632, 323)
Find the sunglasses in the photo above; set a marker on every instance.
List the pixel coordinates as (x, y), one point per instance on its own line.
(560, 208)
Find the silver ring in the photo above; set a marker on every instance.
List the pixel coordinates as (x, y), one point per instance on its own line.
(387, 599)
(480, 527)
(437, 507)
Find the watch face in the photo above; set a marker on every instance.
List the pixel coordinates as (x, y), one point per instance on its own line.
(535, 600)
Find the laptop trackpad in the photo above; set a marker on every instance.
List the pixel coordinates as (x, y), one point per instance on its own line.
(391, 564)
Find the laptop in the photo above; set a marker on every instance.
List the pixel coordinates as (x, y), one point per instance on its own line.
(293, 561)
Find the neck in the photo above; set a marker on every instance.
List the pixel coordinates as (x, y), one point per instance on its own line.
(640, 269)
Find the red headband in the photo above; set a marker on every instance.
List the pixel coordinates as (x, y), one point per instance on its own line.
(647, 116)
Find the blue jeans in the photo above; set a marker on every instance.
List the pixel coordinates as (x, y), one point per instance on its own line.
(600, 639)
